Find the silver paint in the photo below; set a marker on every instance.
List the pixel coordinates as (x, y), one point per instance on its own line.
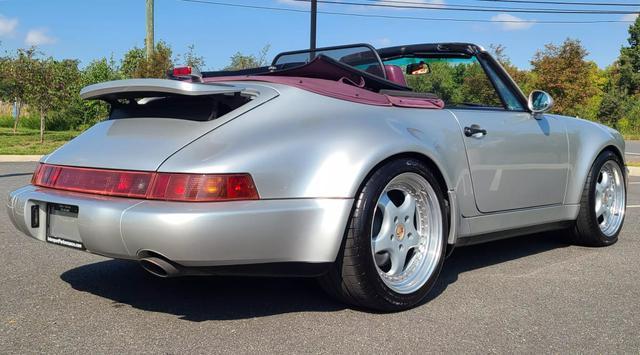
(197, 234)
(308, 155)
(144, 143)
(156, 85)
(522, 162)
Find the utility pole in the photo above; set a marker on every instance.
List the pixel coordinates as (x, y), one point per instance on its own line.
(314, 17)
(149, 38)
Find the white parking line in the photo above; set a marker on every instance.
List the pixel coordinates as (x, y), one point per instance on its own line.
(633, 206)
(628, 153)
(634, 183)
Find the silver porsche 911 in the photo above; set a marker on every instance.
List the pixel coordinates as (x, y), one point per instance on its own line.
(363, 167)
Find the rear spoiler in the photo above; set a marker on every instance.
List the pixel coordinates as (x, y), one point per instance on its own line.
(135, 88)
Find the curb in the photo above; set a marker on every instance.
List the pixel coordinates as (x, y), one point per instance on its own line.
(634, 170)
(19, 158)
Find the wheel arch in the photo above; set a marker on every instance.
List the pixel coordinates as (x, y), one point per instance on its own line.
(612, 148)
(415, 155)
(586, 145)
(451, 204)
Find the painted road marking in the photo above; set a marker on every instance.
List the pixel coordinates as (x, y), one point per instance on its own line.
(633, 206)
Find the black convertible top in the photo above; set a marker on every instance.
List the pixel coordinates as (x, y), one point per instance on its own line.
(325, 67)
(461, 49)
(321, 67)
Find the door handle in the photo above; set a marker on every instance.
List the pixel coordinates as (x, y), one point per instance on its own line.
(475, 131)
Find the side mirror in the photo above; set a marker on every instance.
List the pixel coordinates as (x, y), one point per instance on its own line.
(539, 102)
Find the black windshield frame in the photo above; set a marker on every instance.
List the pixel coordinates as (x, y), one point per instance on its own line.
(318, 51)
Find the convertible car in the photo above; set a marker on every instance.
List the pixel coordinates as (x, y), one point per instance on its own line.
(363, 167)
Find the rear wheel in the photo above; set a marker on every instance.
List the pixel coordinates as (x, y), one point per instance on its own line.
(603, 203)
(395, 242)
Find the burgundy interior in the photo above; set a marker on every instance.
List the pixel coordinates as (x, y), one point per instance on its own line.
(328, 77)
(395, 74)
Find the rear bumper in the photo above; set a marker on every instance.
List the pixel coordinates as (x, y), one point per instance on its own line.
(195, 234)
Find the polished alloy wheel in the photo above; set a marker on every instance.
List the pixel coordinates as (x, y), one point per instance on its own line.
(406, 233)
(610, 198)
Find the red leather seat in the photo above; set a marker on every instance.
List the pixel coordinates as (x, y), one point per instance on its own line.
(395, 74)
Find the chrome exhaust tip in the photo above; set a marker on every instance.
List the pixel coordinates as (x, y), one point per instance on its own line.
(159, 267)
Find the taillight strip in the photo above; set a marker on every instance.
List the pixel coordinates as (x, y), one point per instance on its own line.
(94, 181)
(147, 185)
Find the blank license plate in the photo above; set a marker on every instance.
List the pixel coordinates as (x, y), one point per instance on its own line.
(62, 226)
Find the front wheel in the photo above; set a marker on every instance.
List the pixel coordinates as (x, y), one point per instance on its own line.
(603, 203)
(395, 242)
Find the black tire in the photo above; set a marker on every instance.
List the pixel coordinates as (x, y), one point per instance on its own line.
(353, 278)
(587, 231)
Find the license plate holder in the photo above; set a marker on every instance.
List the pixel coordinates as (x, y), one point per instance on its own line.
(62, 226)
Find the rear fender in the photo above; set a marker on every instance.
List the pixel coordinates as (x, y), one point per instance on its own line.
(304, 145)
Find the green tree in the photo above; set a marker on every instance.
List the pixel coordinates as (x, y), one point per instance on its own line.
(241, 61)
(96, 72)
(441, 81)
(78, 113)
(613, 106)
(475, 85)
(190, 58)
(136, 65)
(630, 122)
(14, 74)
(564, 73)
(523, 78)
(629, 61)
(51, 86)
(131, 61)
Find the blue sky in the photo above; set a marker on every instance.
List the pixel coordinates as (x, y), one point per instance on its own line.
(89, 29)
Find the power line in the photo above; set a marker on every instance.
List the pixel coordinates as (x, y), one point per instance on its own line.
(561, 2)
(351, 14)
(419, 3)
(476, 8)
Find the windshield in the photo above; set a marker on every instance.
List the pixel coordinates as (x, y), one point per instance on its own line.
(358, 56)
(460, 81)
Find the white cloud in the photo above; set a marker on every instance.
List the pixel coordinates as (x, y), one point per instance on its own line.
(301, 4)
(38, 37)
(629, 17)
(383, 42)
(511, 23)
(7, 25)
(413, 3)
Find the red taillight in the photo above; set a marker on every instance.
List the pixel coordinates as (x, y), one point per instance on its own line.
(181, 71)
(156, 186)
(203, 187)
(95, 181)
(36, 174)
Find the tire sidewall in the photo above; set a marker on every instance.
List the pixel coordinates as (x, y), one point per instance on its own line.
(370, 194)
(593, 180)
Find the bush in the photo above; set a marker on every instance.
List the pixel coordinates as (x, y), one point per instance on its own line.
(630, 122)
(27, 121)
(6, 121)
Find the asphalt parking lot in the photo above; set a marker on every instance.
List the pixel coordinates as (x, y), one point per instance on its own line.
(527, 294)
(632, 151)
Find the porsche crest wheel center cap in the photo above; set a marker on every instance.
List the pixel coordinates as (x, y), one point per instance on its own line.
(400, 231)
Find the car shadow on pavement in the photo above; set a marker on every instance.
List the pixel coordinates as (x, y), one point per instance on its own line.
(473, 257)
(224, 298)
(199, 298)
